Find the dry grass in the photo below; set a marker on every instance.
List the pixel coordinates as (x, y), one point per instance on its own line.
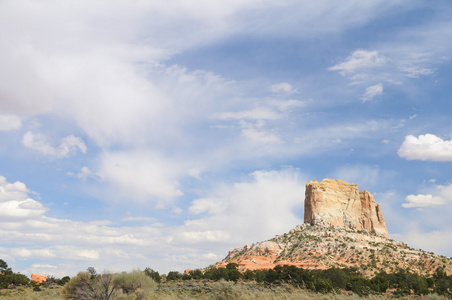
(209, 291)
(27, 293)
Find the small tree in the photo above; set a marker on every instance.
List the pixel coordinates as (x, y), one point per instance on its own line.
(7, 276)
(4, 270)
(152, 274)
(173, 275)
(92, 271)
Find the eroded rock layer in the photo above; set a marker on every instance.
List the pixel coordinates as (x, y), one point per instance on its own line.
(339, 203)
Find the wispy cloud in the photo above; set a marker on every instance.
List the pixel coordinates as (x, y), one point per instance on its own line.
(260, 113)
(84, 174)
(283, 87)
(372, 91)
(359, 60)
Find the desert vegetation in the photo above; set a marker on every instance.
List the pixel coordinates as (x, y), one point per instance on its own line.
(281, 282)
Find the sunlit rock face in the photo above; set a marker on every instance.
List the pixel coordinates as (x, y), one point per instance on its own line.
(339, 203)
(38, 278)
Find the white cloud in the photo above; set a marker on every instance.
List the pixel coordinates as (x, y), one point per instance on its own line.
(415, 71)
(269, 201)
(203, 236)
(69, 145)
(440, 195)
(88, 254)
(426, 147)
(142, 176)
(358, 60)
(10, 122)
(283, 87)
(21, 209)
(43, 266)
(285, 105)
(423, 201)
(84, 174)
(257, 134)
(208, 205)
(195, 173)
(15, 204)
(12, 191)
(133, 219)
(260, 113)
(372, 91)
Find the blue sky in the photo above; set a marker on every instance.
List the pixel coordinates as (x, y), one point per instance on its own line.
(162, 134)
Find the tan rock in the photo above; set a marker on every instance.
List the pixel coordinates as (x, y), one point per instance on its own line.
(339, 203)
(38, 278)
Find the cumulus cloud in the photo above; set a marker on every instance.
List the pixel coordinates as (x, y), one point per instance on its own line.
(358, 60)
(423, 201)
(372, 91)
(15, 204)
(10, 122)
(426, 147)
(69, 145)
(440, 195)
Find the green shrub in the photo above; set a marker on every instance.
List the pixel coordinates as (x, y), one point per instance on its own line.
(135, 285)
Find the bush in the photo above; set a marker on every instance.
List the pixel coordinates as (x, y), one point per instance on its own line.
(323, 285)
(135, 285)
(173, 275)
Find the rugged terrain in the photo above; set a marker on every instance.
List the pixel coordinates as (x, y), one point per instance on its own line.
(343, 227)
(319, 247)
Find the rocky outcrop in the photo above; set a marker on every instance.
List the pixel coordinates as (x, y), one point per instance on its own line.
(339, 203)
(38, 278)
(319, 248)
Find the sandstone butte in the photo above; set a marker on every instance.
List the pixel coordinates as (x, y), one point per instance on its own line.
(338, 203)
(343, 227)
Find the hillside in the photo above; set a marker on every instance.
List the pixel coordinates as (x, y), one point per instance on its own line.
(319, 247)
(344, 227)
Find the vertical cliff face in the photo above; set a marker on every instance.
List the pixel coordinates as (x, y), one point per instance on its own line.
(338, 203)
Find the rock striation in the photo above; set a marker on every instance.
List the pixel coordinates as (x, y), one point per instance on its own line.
(339, 203)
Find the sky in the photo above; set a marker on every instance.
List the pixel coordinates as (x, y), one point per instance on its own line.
(163, 134)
